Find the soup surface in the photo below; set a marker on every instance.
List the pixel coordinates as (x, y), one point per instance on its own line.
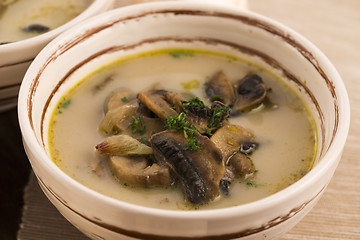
(22, 19)
(283, 129)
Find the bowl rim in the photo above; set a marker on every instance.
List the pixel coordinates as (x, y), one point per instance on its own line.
(329, 158)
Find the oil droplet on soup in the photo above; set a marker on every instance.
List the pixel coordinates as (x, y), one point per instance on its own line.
(22, 19)
(97, 147)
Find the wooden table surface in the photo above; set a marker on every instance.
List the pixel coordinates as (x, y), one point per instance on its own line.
(334, 26)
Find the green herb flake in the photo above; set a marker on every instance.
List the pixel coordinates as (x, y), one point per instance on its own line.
(215, 98)
(125, 100)
(144, 140)
(179, 123)
(253, 184)
(63, 105)
(217, 115)
(196, 102)
(192, 145)
(137, 125)
(208, 132)
(181, 53)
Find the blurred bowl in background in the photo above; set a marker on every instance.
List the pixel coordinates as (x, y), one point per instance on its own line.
(16, 57)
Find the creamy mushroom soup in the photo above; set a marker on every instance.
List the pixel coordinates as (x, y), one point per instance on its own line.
(183, 129)
(22, 19)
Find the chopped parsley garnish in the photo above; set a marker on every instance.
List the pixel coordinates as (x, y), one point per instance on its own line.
(217, 116)
(253, 184)
(125, 100)
(179, 123)
(192, 145)
(63, 105)
(208, 132)
(215, 98)
(137, 125)
(143, 140)
(196, 102)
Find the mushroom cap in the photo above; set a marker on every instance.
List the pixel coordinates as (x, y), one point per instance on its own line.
(220, 88)
(251, 91)
(199, 171)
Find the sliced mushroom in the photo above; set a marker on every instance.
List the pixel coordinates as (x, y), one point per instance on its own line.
(119, 98)
(156, 101)
(135, 172)
(205, 118)
(143, 110)
(123, 145)
(35, 28)
(251, 91)
(243, 165)
(143, 130)
(140, 125)
(248, 147)
(198, 115)
(219, 88)
(198, 171)
(115, 115)
(226, 181)
(230, 138)
(219, 114)
(174, 100)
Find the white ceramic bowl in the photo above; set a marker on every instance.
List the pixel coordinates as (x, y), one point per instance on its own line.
(16, 57)
(145, 27)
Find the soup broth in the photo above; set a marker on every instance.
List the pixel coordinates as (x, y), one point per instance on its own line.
(285, 132)
(22, 19)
